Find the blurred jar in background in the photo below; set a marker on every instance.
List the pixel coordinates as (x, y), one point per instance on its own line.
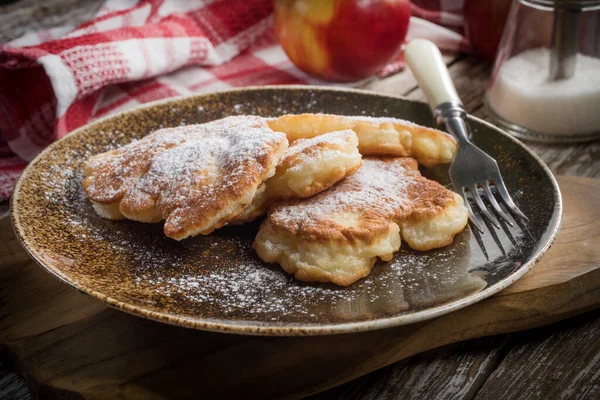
(341, 40)
(484, 24)
(546, 79)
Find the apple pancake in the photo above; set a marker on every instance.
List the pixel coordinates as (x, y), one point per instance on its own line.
(308, 167)
(376, 136)
(337, 235)
(196, 177)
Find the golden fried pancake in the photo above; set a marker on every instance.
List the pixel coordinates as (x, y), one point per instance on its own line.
(337, 235)
(308, 167)
(376, 136)
(110, 174)
(438, 214)
(197, 177)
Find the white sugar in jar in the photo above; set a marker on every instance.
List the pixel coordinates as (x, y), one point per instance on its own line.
(525, 96)
(546, 79)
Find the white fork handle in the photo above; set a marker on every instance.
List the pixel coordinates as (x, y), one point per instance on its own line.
(425, 61)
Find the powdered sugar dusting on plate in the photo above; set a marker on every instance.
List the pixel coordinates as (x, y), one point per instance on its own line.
(198, 272)
(220, 276)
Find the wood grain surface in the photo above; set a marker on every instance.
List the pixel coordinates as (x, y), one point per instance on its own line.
(24, 16)
(455, 371)
(558, 361)
(66, 341)
(553, 365)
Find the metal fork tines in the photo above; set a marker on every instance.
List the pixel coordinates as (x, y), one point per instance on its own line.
(473, 171)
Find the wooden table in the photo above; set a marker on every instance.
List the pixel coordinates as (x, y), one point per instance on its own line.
(558, 361)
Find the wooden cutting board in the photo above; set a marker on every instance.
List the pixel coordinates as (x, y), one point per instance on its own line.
(68, 344)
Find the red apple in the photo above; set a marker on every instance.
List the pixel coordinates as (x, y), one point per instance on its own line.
(341, 40)
(484, 25)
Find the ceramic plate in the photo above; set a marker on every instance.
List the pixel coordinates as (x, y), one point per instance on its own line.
(217, 282)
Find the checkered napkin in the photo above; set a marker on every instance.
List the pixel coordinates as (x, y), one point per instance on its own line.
(136, 51)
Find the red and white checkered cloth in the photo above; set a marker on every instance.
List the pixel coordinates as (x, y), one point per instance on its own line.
(136, 51)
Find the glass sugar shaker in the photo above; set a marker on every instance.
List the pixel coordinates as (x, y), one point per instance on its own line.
(546, 77)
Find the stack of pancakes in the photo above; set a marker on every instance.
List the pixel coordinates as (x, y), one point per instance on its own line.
(330, 212)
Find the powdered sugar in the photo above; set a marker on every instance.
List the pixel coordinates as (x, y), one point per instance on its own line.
(114, 173)
(220, 276)
(214, 156)
(378, 183)
(331, 140)
(381, 120)
(189, 167)
(259, 291)
(253, 289)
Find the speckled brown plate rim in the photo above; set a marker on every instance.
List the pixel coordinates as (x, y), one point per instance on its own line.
(257, 328)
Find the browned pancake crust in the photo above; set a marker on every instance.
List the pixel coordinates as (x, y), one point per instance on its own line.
(110, 174)
(340, 144)
(308, 167)
(428, 197)
(383, 190)
(203, 181)
(377, 136)
(337, 235)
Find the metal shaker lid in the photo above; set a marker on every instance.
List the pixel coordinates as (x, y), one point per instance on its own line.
(580, 5)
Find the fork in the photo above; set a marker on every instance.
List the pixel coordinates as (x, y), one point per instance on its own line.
(471, 168)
